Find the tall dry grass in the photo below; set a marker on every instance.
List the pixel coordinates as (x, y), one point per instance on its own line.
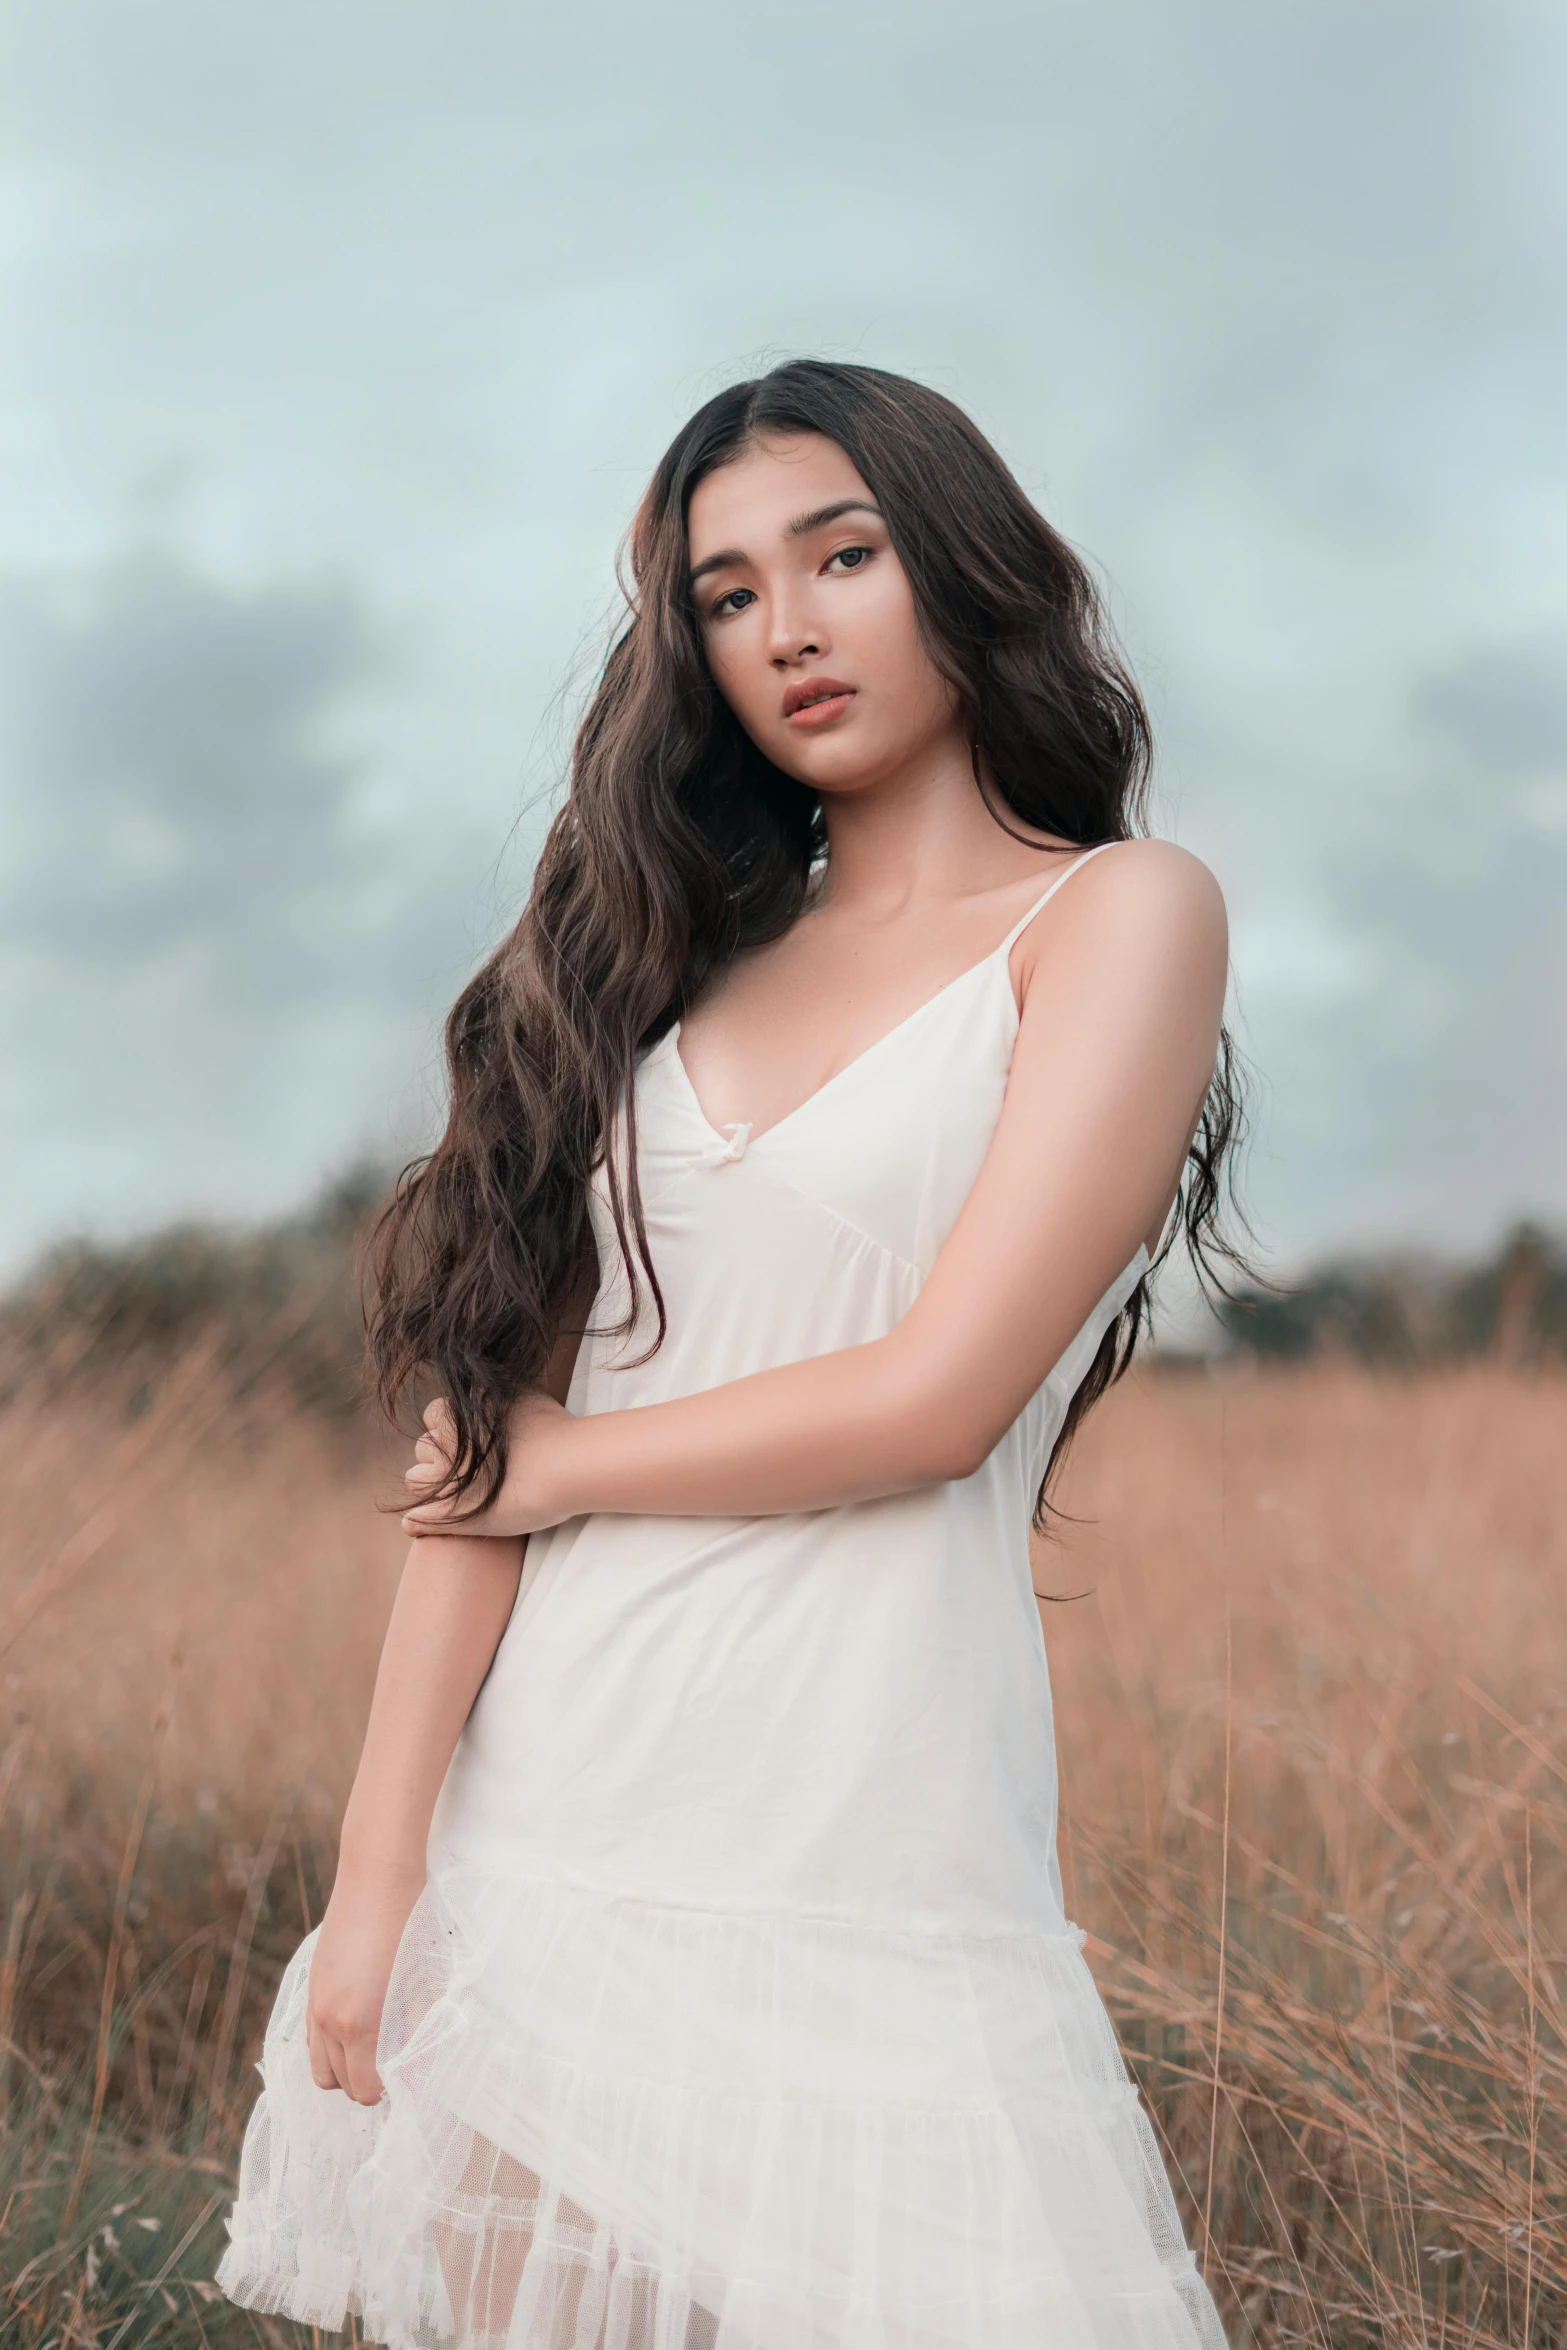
(1314, 1740)
(1313, 1719)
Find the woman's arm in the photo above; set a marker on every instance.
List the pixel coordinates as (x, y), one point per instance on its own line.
(451, 1608)
(453, 1603)
(1122, 996)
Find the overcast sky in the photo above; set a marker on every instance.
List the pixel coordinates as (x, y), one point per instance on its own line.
(339, 340)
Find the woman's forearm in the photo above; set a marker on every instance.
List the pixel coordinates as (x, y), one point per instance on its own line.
(836, 1428)
(923, 1405)
(451, 1609)
(452, 1606)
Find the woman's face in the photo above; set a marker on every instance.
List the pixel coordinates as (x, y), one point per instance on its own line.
(808, 620)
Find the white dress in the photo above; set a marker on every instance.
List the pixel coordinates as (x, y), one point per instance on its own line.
(740, 2011)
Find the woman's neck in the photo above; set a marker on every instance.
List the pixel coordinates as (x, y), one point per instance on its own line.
(920, 836)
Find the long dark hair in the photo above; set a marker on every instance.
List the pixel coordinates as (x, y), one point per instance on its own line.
(680, 845)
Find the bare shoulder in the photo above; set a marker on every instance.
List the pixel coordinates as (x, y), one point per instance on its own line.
(1144, 906)
(1153, 874)
(1137, 882)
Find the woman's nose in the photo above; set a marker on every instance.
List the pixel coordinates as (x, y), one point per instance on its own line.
(797, 634)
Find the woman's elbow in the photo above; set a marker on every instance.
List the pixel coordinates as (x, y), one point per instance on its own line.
(966, 1455)
(936, 1428)
(951, 1445)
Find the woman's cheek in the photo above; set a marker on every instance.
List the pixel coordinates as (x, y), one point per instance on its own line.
(754, 698)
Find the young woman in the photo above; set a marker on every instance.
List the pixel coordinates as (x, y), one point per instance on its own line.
(696, 1976)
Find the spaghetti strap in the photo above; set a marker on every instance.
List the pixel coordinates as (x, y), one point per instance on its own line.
(1060, 882)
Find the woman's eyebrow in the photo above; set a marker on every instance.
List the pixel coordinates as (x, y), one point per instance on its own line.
(718, 562)
(801, 527)
(820, 516)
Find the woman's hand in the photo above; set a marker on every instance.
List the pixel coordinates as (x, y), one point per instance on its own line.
(531, 1496)
(349, 1972)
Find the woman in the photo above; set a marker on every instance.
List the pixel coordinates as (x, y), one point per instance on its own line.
(696, 1970)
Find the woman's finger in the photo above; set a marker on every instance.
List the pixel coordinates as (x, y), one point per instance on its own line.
(435, 1517)
(321, 2069)
(361, 2080)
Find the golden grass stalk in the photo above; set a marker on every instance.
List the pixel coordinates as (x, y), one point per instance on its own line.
(1313, 1724)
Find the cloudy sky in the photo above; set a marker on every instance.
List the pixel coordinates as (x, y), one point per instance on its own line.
(339, 338)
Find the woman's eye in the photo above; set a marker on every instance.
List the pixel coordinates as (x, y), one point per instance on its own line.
(731, 603)
(852, 558)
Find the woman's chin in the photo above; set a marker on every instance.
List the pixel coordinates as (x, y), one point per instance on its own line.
(841, 761)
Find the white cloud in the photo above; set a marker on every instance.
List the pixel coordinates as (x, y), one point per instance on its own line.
(1264, 304)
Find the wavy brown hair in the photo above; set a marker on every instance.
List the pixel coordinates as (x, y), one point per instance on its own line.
(680, 845)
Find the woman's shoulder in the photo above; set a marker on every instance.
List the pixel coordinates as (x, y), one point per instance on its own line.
(1149, 877)
(1156, 867)
(1138, 901)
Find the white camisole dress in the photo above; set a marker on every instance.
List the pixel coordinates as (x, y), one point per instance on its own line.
(740, 2011)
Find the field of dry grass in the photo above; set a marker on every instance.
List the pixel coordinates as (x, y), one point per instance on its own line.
(1313, 1719)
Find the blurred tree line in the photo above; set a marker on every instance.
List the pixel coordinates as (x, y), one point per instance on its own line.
(277, 1307)
(280, 1307)
(1398, 1312)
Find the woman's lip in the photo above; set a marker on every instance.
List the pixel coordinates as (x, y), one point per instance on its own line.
(820, 713)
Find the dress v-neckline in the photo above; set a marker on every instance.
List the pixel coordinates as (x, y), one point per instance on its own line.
(726, 1135)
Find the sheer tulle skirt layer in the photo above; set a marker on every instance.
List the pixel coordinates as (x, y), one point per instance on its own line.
(612, 2124)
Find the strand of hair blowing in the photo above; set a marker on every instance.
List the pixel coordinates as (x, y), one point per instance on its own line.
(679, 846)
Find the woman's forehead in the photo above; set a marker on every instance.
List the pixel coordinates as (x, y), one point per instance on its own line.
(766, 486)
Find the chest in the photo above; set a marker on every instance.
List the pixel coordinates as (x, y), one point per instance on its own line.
(790, 1021)
(888, 1145)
